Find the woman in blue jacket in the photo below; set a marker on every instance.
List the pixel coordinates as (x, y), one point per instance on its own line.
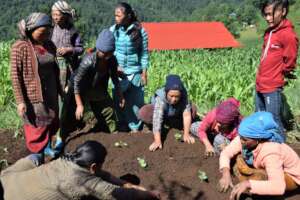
(133, 59)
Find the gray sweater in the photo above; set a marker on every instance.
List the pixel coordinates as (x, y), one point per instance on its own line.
(57, 180)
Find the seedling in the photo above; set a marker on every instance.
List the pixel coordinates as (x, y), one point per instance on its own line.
(120, 144)
(3, 163)
(178, 136)
(202, 176)
(142, 162)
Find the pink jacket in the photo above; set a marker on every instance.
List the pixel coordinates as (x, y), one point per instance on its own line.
(208, 126)
(275, 158)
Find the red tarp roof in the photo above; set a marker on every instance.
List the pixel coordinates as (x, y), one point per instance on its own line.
(188, 35)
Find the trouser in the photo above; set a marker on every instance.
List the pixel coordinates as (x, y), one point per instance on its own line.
(219, 140)
(243, 172)
(146, 115)
(271, 102)
(1, 192)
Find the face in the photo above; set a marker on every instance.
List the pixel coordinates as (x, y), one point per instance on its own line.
(173, 96)
(120, 16)
(58, 17)
(41, 34)
(249, 143)
(104, 55)
(274, 17)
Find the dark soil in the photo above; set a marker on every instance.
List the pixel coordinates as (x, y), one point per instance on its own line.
(172, 170)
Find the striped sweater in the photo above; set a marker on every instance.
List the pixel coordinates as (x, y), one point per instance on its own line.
(24, 72)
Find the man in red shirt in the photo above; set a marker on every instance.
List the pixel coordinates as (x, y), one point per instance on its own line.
(278, 59)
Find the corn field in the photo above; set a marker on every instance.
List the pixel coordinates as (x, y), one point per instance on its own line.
(209, 76)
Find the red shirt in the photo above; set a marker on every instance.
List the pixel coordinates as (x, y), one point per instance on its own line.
(279, 56)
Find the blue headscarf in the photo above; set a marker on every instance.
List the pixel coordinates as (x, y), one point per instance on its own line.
(260, 126)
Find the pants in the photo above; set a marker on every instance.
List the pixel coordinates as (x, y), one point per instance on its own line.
(146, 115)
(134, 100)
(103, 111)
(219, 141)
(271, 102)
(1, 192)
(243, 172)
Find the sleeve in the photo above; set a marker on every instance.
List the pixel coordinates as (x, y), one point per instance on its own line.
(229, 152)
(78, 45)
(158, 115)
(275, 185)
(16, 73)
(114, 72)
(290, 52)
(206, 124)
(23, 164)
(144, 53)
(82, 70)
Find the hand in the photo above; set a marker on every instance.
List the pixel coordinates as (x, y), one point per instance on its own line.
(155, 145)
(209, 151)
(239, 189)
(225, 182)
(79, 112)
(121, 100)
(132, 186)
(21, 109)
(64, 50)
(144, 77)
(188, 139)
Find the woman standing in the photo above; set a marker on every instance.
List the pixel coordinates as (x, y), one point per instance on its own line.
(69, 47)
(132, 55)
(35, 81)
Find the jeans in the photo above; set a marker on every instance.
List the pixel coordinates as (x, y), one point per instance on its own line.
(271, 102)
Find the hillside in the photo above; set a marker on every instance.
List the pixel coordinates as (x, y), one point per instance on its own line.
(96, 14)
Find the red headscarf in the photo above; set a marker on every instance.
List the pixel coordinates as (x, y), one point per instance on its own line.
(228, 111)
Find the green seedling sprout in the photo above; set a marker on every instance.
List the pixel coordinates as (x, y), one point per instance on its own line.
(178, 136)
(142, 162)
(202, 176)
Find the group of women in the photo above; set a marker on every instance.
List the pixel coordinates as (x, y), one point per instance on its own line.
(52, 85)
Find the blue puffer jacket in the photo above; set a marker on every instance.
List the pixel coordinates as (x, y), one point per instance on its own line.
(131, 59)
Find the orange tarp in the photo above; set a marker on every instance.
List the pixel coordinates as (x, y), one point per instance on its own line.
(188, 35)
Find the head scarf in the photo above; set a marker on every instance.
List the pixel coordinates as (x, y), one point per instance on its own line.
(33, 21)
(260, 126)
(105, 41)
(173, 82)
(64, 7)
(227, 111)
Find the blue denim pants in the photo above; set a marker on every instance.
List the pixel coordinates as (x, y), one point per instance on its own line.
(271, 102)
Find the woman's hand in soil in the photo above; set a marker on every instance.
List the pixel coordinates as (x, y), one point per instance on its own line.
(226, 181)
(209, 151)
(79, 112)
(239, 189)
(155, 145)
(21, 109)
(188, 139)
(132, 186)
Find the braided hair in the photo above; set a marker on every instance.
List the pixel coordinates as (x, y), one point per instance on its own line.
(87, 153)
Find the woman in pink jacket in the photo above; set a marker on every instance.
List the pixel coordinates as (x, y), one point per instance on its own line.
(220, 124)
(267, 166)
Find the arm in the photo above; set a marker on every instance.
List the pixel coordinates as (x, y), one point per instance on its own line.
(113, 71)
(21, 165)
(78, 45)
(187, 121)
(229, 152)
(144, 52)
(204, 127)
(275, 185)
(290, 52)
(158, 115)
(16, 73)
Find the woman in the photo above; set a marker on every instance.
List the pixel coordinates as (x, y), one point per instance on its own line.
(35, 81)
(69, 47)
(267, 166)
(169, 105)
(89, 84)
(278, 59)
(132, 55)
(221, 123)
(73, 176)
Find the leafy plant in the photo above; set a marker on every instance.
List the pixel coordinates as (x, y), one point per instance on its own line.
(202, 176)
(120, 144)
(142, 162)
(178, 136)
